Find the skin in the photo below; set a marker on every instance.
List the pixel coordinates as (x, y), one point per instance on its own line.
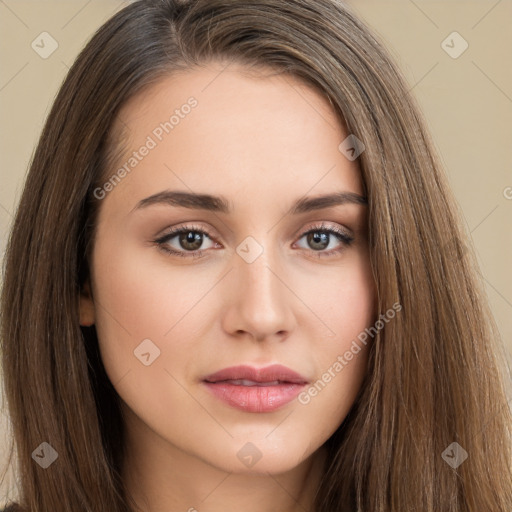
(262, 142)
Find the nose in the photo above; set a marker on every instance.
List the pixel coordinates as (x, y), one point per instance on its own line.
(259, 302)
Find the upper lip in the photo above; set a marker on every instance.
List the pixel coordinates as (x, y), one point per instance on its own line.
(275, 372)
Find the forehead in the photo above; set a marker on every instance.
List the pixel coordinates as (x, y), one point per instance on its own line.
(246, 131)
(216, 82)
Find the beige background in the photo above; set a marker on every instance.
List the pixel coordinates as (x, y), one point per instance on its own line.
(467, 102)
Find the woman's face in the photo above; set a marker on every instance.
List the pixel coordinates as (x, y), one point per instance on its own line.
(249, 155)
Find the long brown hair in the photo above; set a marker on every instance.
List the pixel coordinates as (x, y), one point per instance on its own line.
(433, 375)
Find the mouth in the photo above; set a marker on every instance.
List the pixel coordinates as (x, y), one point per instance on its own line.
(246, 382)
(255, 390)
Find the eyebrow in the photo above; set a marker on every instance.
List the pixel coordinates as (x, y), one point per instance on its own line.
(220, 204)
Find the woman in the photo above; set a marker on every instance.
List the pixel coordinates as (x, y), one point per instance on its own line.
(236, 280)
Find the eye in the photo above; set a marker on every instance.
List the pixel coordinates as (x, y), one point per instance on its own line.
(188, 239)
(322, 237)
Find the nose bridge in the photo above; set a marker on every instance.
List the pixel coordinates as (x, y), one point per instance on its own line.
(261, 300)
(257, 281)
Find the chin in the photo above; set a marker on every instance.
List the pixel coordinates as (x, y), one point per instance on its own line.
(261, 456)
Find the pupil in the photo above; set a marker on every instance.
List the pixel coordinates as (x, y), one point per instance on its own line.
(192, 238)
(318, 240)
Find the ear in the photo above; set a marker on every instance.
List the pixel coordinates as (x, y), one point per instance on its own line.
(87, 311)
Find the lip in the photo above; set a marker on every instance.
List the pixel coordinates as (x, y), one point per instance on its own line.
(256, 389)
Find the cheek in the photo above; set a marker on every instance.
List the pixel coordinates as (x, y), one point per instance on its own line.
(139, 299)
(346, 301)
(347, 307)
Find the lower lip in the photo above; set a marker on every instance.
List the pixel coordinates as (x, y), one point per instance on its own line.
(255, 398)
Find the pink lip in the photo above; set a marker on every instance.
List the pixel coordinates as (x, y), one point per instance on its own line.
(275, 386)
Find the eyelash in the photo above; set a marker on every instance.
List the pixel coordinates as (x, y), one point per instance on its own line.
(161, 242)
